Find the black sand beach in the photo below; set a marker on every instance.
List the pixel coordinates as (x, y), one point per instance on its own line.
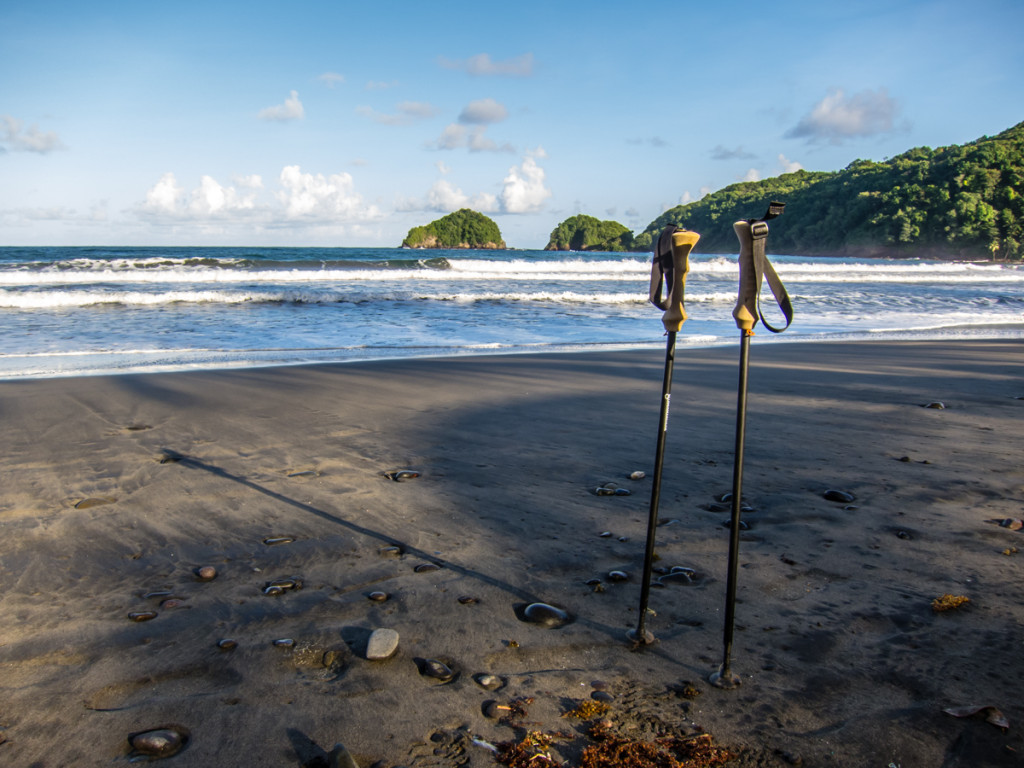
(117, 489)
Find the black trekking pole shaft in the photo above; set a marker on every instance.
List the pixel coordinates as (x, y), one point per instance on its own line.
(674, 246)
(659, 461)
(725, 674)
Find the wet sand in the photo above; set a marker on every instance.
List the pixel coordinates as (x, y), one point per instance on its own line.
(115, 488)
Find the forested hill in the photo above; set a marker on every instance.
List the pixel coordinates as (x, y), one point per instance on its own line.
(462, 229)
(952, 202)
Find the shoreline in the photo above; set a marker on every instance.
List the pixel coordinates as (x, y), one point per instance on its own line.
(121, 486)
(996, 331)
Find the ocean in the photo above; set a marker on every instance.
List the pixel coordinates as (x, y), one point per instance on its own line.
(87, 311)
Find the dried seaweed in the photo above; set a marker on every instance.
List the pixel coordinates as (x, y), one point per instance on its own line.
(533, 751)
(949, 602)
(588, 709)
(612, 751)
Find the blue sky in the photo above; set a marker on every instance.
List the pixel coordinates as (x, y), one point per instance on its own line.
(345, 124)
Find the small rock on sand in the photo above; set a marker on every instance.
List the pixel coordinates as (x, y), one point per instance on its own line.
(382, 644)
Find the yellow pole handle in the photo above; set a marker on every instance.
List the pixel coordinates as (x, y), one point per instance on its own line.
(682, 243)
(745, 312)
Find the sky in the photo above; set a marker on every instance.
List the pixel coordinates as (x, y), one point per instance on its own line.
(348, 123)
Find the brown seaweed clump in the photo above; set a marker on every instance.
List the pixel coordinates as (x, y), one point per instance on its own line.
(611, 751)
(533, 751)
(588, 709)
(948, 602)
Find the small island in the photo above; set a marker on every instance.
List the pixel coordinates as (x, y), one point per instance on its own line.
(462, 229)
(586, 233)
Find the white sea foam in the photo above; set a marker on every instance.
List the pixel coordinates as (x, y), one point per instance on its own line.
(167, 310)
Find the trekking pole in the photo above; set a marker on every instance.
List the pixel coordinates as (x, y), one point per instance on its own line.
(753, 265)
(671, 262)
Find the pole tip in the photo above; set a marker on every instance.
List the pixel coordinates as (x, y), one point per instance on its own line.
(724, 678)
(637, 639)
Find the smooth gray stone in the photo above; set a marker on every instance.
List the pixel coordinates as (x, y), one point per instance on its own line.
(339, 757)
(382, 644)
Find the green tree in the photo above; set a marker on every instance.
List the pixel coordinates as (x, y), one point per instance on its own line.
(957, 201)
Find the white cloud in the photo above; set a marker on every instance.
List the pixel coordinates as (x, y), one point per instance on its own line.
(482, 64)
(724, 153)
(253, 181)
(483, 112)
(787, 165)
(300, 197)
(14, 137)
(163, 196)
(444, 197)
(686, 198)
(331, 79)
(751, 175)
(654, 141)
(456, 136)
(441, 167)
(406, 112)
(523, 189)
(292, 109)
(837, 117)
(211, 199)
(318, 197)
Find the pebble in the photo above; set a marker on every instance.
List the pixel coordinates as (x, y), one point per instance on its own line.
(206, 573)
(163, 742)
(286, 583)
(333, 660)
(273, 591)
(605, 534)
(378, 597)
(744, 525)
(382, 644)
(304, 473)
(436, 669)
(468, 600)
(172, 602)
(617, 576)
(340, 757)
(227, 644)
(638, 475)
(488, 682)
(425, 567)
(844, 497)
(599, 685)
(678, 577)
(275, 540)
(168, 456)
(401, 475)
(623, 492)
(142, 615)
(602, 491)
(391, 551)
(1014, 524)
(158, 594)
(936, 405)
(284, 642)
(545, 615)
(601, 696)
(623, 539)
(93, 502)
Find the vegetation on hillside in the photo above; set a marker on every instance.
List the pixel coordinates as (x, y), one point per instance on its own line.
(953, 202)
(585, 233)
(462, 229)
